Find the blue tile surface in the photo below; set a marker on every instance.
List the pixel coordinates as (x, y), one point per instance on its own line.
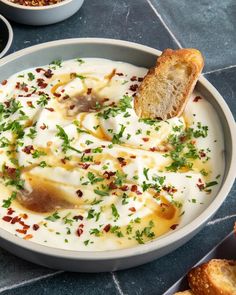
(119, 19)
(205, 24)
(208, 25)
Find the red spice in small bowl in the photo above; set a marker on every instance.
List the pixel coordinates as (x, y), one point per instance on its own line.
(36, 2)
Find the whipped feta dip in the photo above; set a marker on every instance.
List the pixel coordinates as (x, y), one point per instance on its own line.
(79, 169)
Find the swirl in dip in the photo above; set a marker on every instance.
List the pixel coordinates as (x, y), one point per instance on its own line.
(81, 171)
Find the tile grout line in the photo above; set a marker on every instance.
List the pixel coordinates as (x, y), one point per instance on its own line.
(27, 282)
(218, 70)
(164, 24)
(117, 283)
(220, 219)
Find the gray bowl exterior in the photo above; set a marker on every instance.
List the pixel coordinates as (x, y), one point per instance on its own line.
(38, 17)
(6, 34)
(119, 259)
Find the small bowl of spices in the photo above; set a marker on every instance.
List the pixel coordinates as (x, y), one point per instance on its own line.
(39, 12)
(6, 36)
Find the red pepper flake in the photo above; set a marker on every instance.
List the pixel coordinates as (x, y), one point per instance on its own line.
(24, 216)
(7, 103)
(15, 219)
(57, 94)
(7, 218)
(89, 91)
(35, 226)
(122, 161)
(108, 174)
(50, 109)
(145, 139)
(63, 161)
(134, 188)
(173, 226)
(134, 78)
(43, 126)
(81, 225)
(124, 188)
(197, 98)
(202, 154)
(4, 82)
(28, 149)
(87, 151)
(79, 193)
(48, 73)
(72, 107)
(182, 138)
(153, 149)
(133, 157)
(132, 209)
(107, 228)
(133, 87)
(41, 83)
(66, 97)
(200, 186)
(28, 237)
(38, 70)
(30, 104)
(169, 189)
(21, 231)
(26, 226)
(112, 185)
(10, 211)
(10, 171)
(78, 217)
(79, 231)
(140, 79)
(21, 222)
(84, 165)
(119, 74)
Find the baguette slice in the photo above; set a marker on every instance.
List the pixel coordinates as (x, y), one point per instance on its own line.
(166, 88)
(187, 292)
(216, 277)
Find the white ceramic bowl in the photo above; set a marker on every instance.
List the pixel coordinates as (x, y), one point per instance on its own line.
(6, 35)
(116, 259)
(40, 15)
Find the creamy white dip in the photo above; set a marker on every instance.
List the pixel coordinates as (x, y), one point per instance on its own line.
(81, 171)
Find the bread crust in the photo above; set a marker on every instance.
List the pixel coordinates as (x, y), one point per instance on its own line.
(148, 103)
(187, 292)
(210, 278)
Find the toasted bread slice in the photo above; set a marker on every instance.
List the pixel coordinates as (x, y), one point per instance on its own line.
(216, 277)
(187, 292)
(166, 88)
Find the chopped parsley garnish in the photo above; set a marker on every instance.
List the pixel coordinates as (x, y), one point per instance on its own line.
(145, 172)
(66, 141)
(93, 179)
(122, 106)
(7, 203)
(115, 213)
(101, 192)
(32, 133)
(212, 183)
(56, 62)
(116, 137)
(95, 231)
(31, 76)
(53, 217)
(43, 100)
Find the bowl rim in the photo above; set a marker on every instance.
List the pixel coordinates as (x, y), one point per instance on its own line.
(10, 36)
(157, 244)
(36, 8)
